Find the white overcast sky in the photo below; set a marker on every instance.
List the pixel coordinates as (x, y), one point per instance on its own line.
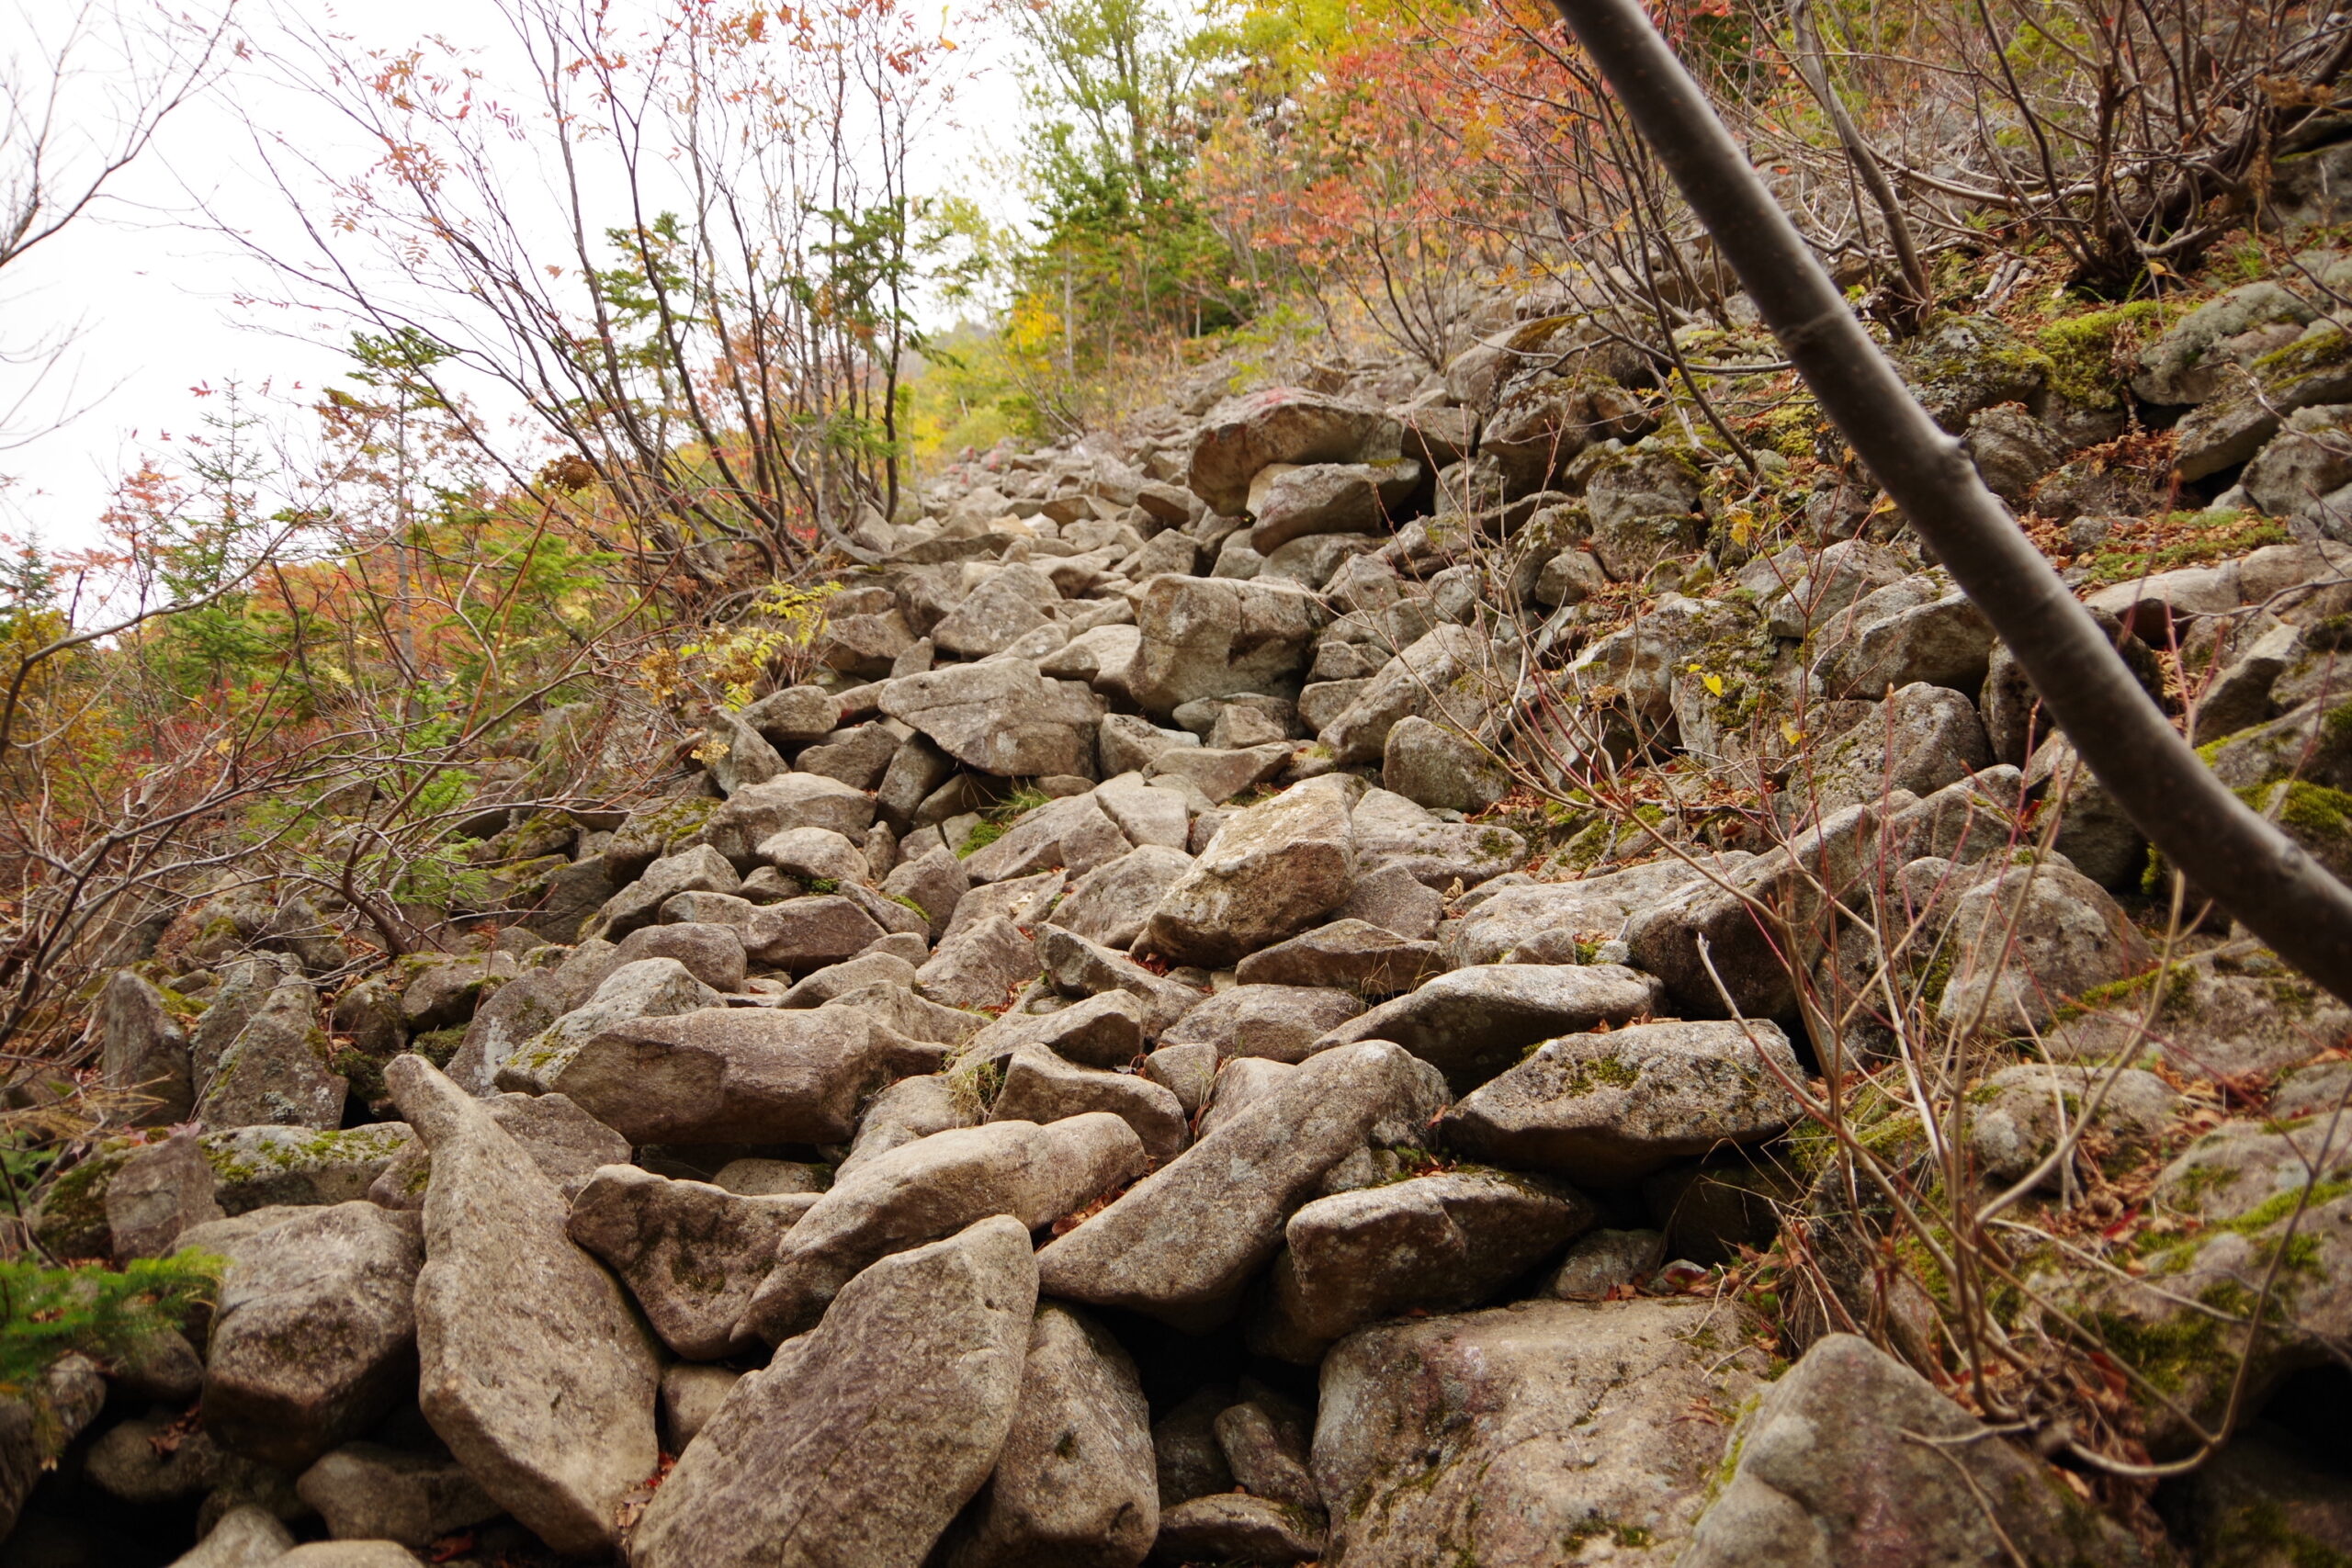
(156, 295)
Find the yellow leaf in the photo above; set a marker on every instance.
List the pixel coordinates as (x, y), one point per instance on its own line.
(1714, 683)
(1791, 733)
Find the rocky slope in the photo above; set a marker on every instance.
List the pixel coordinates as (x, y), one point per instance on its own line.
(1128, 1064)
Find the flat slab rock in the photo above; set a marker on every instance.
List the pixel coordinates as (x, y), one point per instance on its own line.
(862, 1440)
(533, 1368)
(1547, 1432)
(1473, 1024)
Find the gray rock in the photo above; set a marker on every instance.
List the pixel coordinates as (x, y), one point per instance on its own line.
(1042, 1087)
(867, 969)
(567, 1144)
(933, 1188)
(2263, 1499)
(794, 715)
(1583, 1431)
(1283, 424)
(911, 1109)
(1921, 739)
(1112, 903)
(648, 988)
(701, 869)
(1072, 832)
(1000, 717)
(1075, 1483)
(860, 1442)
(314, 1335)
(1281, 1022)
(1008, 601)
(1102, 657)
(1180, 1244)
(1215, 638)
(1432, 765)
(712, 952)
(739, 1074)
(2315, 369)
(256, 1168)
(1187, 1072)
(2064, 935)
(2016, 1117)
(691, 1395)
(1943, 642)
(1473, 1023)
(1150, 815)
(1441, 677)
(245, 1537)
(1128, 744)
(244, 985)
(1266, 1459)
(1549, 916)
(349, 1554)
(1604, 1263)
(805, 934)
(37, 1424)
(1104, 1031)
(895, 1006)
(534, 1368)
(935, 882)
(368, 1492)
(1271, 870)
(1604, 1108)
(689, 1252)
(1395, 901)
(1078, 967)
(1190, 1461)
(979, 966)
(1234, 1526)
(277, 1070)
(2195, 358)
(757, 813)
(1351, 955)
(2012, 449)
(1295, 501)
(810, 855)
(514, 1014)
(1218, 773)
(1240, 1085)
(162, 1189)
(143, 1049)
(1023, 900)
(1853, 1457)
(1443, 1243)
(1392, 831)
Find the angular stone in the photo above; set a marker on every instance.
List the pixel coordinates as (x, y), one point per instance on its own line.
(1392, 831)
(794, 715)
(1605, 1109)
(1283, 424)
(1149, 815)
(1445, 1243)
(935, 882)
(1075, 1485)
(1557, 914)
(1112, 903)
(1348, 955)
(2016, 1117)
(911, 1109)
(368, 1492)
(1103, 1031)
(1041, 1087)
(712, 952)
(1127, 744)
(690, 1252)
(1475, 1023)
(860, 1442)
(245, 1537)
(1432, 765)
(258, 1168)
(739, 1074)
(314, 1337)
(933, 1188)
(1604, 1261)
(701, 869)
(1295, 501)
(1232, 1527)
(691, 1395)
(822, 985)
(1267, 1461)
(1271, 870)
(1010, 600)
(759, 812)
(277, 1070)
(1182, 1242)
(979, 967)
(1078, 967)
(1852, 1457)
(1278, 1023)
(162, 1189)
(1920, 739)
(2063, 935)
(805, 934)
(651, 988)
(145, 1050)
(1000, 717)
(813, 855)
(1528, 1430)
(1072, 832)
(533, 1368)
(1218, 772)
(567, 1144)
(1215, 636)
(1437, 678)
